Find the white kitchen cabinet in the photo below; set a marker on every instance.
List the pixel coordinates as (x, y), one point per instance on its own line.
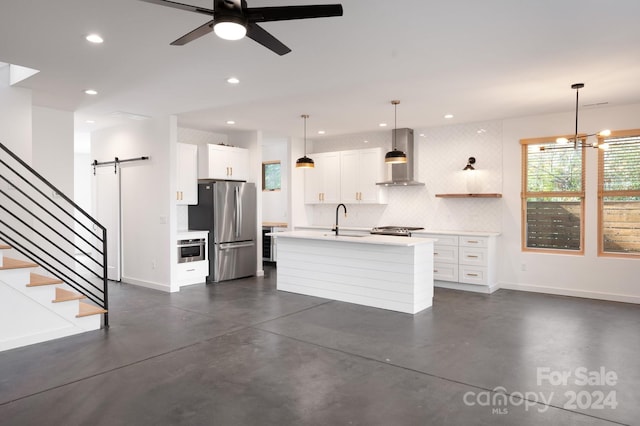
(359, 171)
(464, 261)
(187, 174)
(322, 183)
(223, 162)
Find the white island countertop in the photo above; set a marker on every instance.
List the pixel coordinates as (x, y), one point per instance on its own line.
(388, 240)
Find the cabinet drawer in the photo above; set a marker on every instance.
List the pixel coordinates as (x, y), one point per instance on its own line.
(473, 256)
(473, 275)
(445, 272)
(192, 269)
(445, 254)
(443, 240)
(474, 241)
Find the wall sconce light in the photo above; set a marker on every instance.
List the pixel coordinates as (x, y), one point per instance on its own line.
(470, 162)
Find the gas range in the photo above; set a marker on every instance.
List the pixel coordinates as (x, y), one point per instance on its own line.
(400, 231)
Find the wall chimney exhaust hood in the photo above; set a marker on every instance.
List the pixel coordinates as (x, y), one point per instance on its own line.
(402, 174)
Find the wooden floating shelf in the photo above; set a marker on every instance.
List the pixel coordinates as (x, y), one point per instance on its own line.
(488, 195)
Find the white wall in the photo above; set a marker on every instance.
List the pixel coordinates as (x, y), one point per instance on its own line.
(53, 146)
(15, 117)
(585, 276)
(148, 210)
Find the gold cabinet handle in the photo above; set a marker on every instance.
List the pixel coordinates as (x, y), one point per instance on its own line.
(473, 241)
(472, 275)
(471, 256)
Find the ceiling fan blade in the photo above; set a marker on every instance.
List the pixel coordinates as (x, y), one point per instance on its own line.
(284, 13)
(197, 33)
(181, 6)
(260, 35)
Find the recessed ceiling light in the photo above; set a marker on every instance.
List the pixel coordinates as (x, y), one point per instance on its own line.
(233, 80)
(448, 116)
(94, 38)
(422, 135)
(382, 124)
(231, 122)
(90, 121)
(321, 132)
(482, 131)
(366, 141)
(91, 92)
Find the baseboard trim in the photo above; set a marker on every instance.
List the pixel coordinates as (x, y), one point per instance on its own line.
(466, 287)
(149, 284)
(612, 297)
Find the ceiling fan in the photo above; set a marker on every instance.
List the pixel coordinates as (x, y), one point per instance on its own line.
(232, 20)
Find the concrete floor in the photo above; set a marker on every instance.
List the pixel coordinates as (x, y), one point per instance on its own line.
(242, 353)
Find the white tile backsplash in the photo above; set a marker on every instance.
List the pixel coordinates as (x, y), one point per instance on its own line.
(441, 154)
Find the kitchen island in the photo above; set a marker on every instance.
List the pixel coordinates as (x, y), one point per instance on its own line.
(387, 272)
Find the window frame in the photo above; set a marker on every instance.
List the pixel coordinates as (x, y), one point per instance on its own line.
(617, 193)
(264, 164)
(525, 194)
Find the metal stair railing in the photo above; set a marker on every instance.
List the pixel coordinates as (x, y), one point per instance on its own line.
(52, 230)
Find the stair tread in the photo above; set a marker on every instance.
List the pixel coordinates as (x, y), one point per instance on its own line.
(4, 247)
(10, 263)
(63, 295)
(86, 309)
(38, 280)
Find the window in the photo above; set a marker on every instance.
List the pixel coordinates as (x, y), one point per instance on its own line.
(619, 194)
(271, 180)
(552, 196)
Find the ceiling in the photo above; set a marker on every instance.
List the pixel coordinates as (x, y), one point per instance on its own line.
(477, 60)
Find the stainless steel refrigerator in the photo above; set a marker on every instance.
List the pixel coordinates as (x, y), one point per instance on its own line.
(228, 211)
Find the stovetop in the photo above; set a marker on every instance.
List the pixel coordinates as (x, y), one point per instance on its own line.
(395, 230)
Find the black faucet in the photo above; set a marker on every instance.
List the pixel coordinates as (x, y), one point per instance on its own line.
(345, 215)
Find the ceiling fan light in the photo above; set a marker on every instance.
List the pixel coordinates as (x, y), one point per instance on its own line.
(603, 146)
(395, 157)
(229, 30)
(605, 133)
(562, 141)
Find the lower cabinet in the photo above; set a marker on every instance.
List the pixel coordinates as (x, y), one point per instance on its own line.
(192, 272)
(464, 261)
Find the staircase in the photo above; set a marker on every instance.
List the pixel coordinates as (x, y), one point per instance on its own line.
(54, 284)
(40, 308)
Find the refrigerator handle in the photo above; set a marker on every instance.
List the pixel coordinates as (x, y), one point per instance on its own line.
(238, 211)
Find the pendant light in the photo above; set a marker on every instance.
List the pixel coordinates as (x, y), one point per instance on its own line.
(603, 133)
(395, 156)
(305, 162)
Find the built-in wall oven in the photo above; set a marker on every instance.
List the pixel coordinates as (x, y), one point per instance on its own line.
(191, 250)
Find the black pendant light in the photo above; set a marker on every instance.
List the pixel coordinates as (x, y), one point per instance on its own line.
(395, 156)
(305, 162)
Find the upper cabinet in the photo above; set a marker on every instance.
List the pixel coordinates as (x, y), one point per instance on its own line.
(359, 172)
(322, 183)
(187, 174)
(223, 162)
(346, 177)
